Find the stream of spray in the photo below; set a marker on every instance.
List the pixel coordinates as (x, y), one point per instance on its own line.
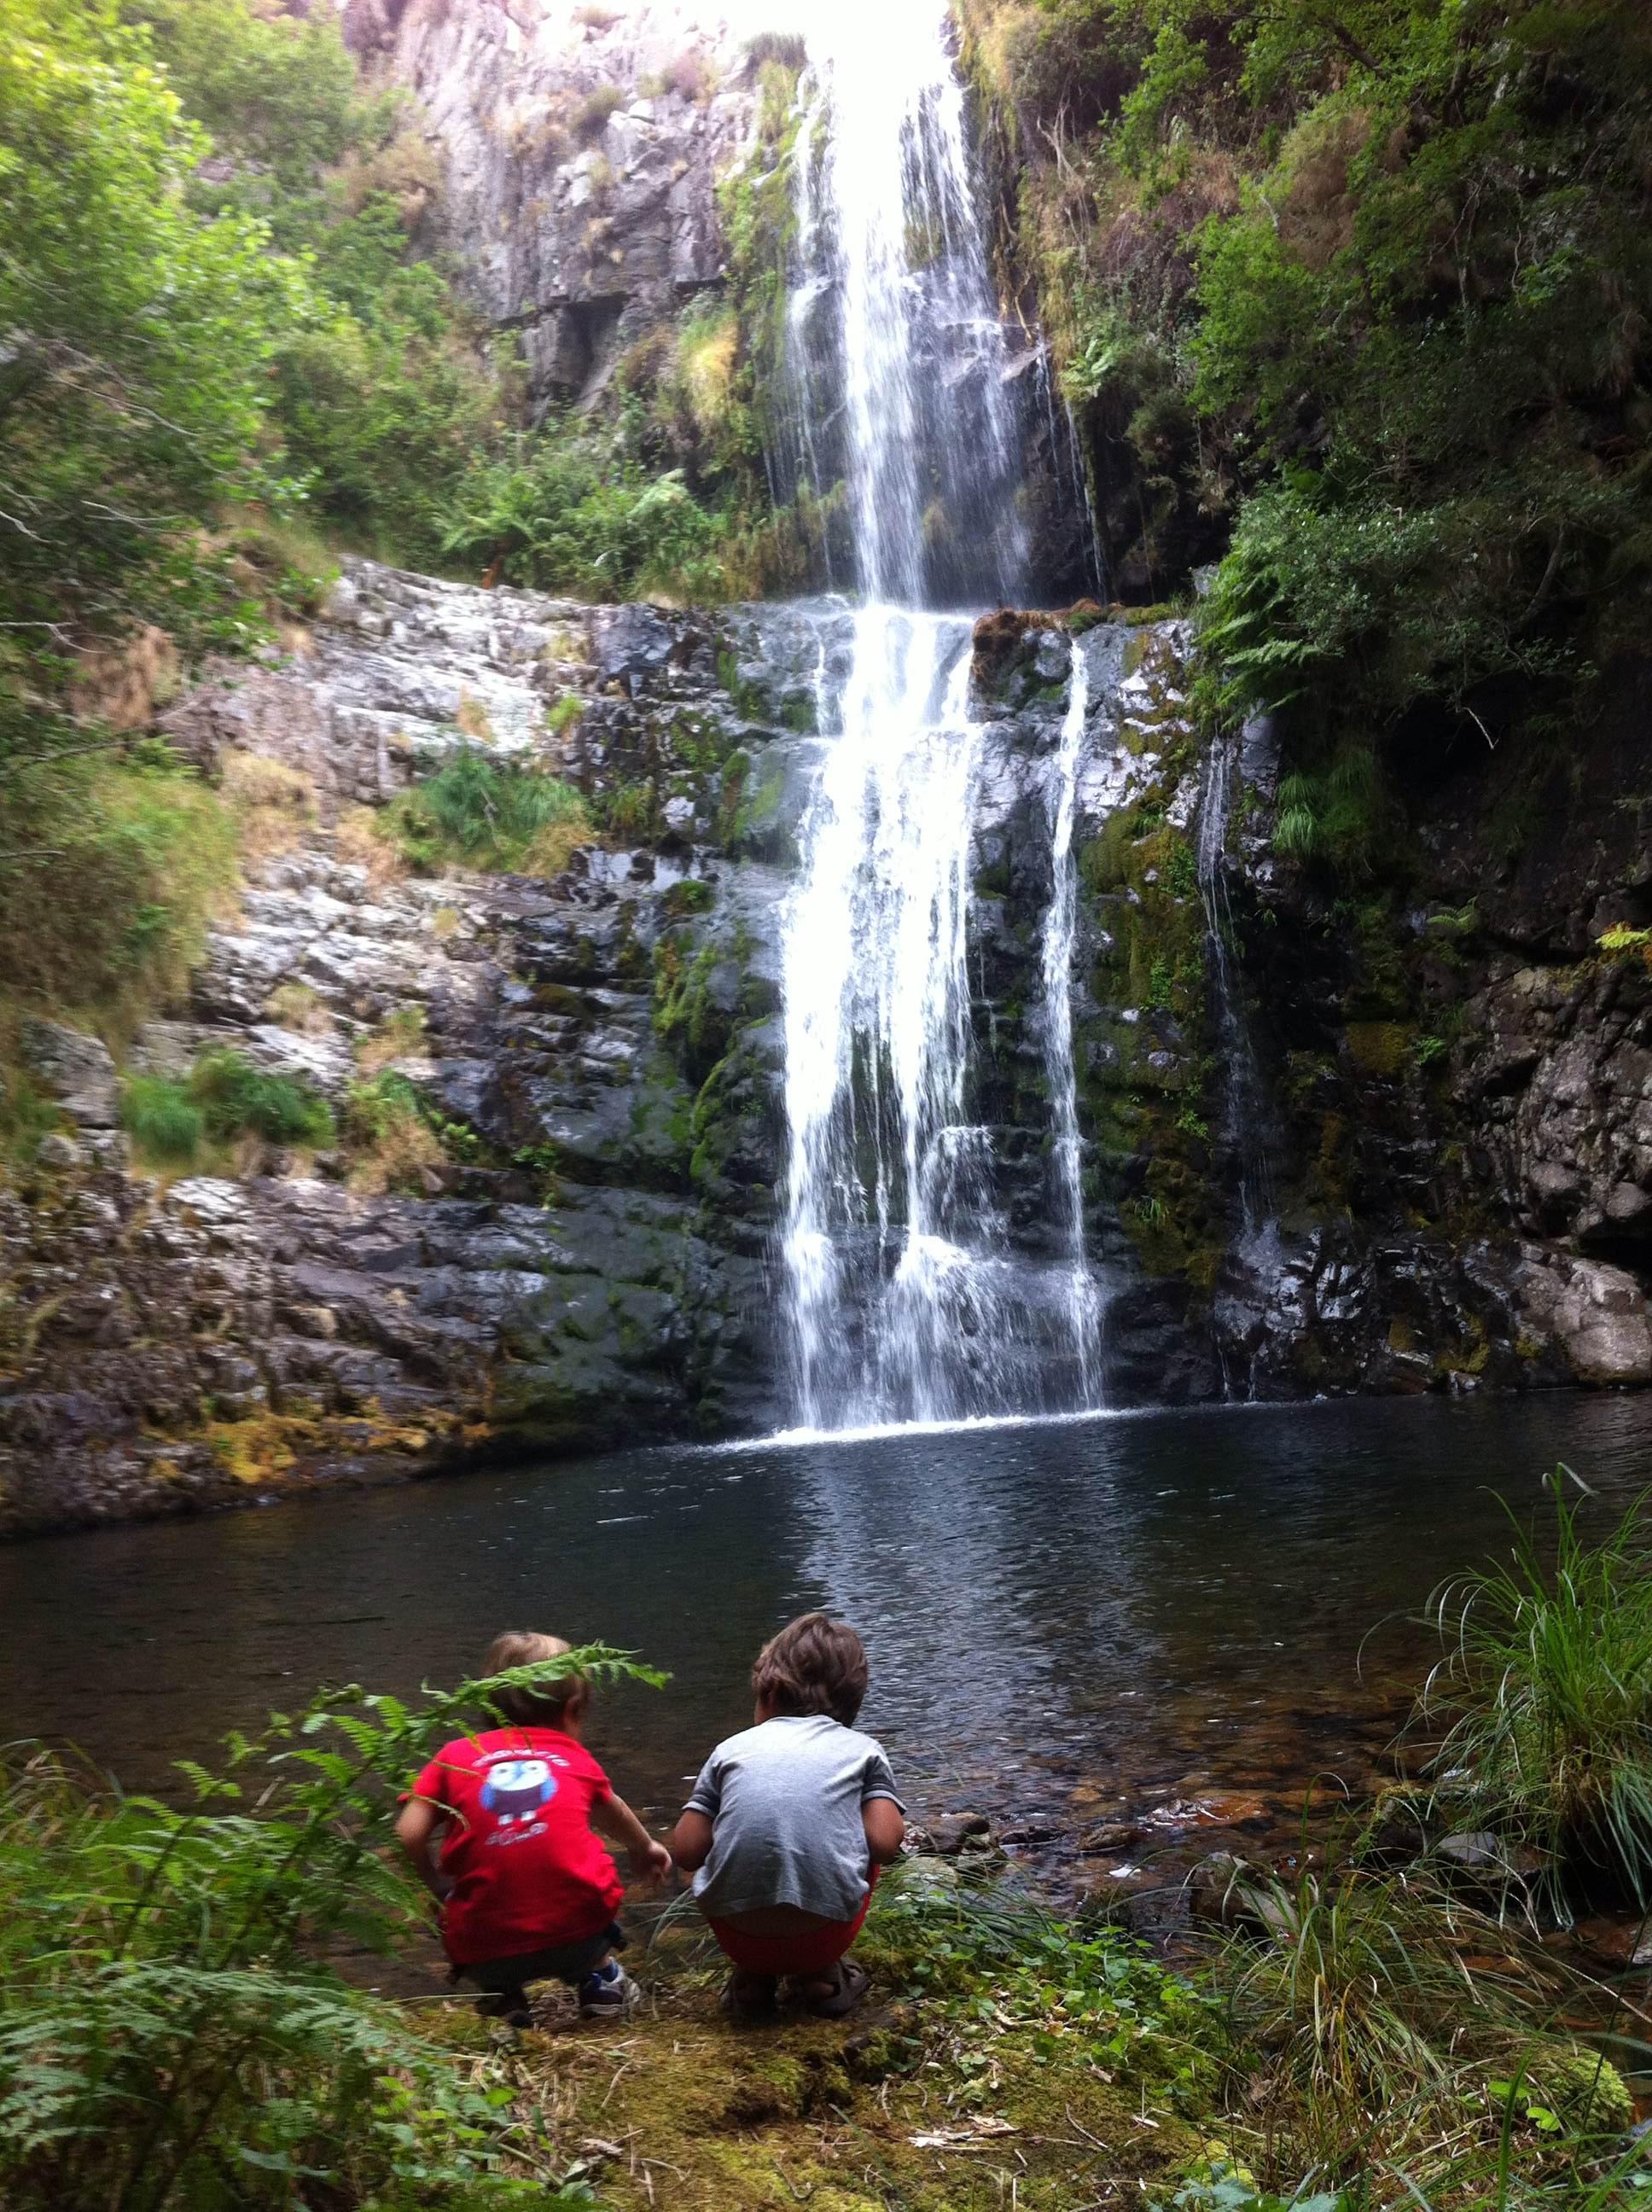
(904, 1302)
(1082, 1314)
(1245, 1130)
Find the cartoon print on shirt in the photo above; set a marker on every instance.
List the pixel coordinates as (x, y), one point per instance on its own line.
(517, 1788)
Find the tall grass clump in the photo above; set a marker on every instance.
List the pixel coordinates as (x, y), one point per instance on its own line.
(1545, 1693)
(237, 1099)
(481, 813)
(162, 1120)
(1374, 2019)
(224, 1097)
(171, 2035)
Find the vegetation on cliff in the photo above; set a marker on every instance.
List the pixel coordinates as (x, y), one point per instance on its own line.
(1356, 298)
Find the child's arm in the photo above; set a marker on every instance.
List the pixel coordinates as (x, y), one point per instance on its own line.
(615, 1818)
(691, 1841)
(885, 1826)
(414, 1825)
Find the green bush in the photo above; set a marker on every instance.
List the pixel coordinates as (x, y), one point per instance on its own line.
(171, 2039)
(1366, 283)
(569, 510)
(483, 813)
(140, 334)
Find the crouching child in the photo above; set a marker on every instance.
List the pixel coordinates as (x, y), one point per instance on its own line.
(789, 1823)
(528, 1893)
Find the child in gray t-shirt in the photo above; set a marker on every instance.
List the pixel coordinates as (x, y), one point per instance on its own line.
(790, 1821)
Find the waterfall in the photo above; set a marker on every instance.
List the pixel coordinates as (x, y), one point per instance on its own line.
(904, 1301)
(896, 356)
(1245, 1127)
(1082, 1302)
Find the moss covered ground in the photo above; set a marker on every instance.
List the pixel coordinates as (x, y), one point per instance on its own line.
(995, 2062)
(1380, 2044)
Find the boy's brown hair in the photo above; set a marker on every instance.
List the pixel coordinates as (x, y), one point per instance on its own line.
(814, 1665)
(546, 1705)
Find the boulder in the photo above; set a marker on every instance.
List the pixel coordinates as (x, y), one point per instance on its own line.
(76, 1070)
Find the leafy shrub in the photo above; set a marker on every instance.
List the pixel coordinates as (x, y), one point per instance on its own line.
(1545, 1690)
(169, 2037)
(567, 510)
(482, 813)
(237, 1099)
(142, 333)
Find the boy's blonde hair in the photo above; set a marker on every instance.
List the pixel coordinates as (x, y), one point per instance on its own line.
(547, 1703)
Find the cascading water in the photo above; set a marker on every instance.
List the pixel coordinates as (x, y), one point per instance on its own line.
(897, 358)
(1245, 1132)
(904, 1300)
(1083, 1301)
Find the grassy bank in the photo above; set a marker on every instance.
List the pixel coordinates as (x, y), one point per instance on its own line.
(1368, 2022)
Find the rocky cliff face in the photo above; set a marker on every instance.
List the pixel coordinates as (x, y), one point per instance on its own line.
(582, 147)
(590, 1272)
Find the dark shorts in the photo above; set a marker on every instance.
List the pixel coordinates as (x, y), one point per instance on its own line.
(561, 1962)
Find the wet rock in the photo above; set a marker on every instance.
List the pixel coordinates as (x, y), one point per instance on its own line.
(1597, 1314)
(1229, 1893)
(1110, 1836)
(75, 1070)
(950, 1834)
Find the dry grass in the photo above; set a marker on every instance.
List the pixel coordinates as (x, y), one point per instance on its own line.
(470, 717)
(553, 848)
(445, 921)
(706, 364)
(359, 842)
(121, 685)
(398, 1036)
(274, 805)
(295, 1007)
(397, 1158)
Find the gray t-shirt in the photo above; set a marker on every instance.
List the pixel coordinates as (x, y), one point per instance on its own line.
(784, 1799)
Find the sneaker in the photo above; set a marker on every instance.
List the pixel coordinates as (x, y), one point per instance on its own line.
(509, 2006)
(607, 1993)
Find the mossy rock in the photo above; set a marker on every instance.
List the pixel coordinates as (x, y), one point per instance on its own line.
(1384, 1049)
(1582, 2090)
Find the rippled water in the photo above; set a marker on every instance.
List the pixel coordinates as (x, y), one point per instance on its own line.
(1059, 1614)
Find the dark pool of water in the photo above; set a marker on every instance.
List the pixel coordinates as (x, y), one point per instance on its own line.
(1059, 1616)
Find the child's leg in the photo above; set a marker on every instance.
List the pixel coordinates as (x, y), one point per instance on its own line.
(809, 1951)
(588, 1965)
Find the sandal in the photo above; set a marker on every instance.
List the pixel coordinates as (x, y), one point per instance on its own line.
(849, 1986)
(752, 1996)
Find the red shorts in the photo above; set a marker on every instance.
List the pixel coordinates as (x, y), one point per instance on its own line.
(814, 1953)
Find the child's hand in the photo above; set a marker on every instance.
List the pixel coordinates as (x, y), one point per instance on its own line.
(652, 1865)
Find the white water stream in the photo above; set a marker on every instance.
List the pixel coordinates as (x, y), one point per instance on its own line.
(905, 1302)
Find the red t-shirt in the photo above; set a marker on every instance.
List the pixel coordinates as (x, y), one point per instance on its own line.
(527, 1872)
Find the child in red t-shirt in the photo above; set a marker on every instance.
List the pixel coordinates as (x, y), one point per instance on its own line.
(527, 1892)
